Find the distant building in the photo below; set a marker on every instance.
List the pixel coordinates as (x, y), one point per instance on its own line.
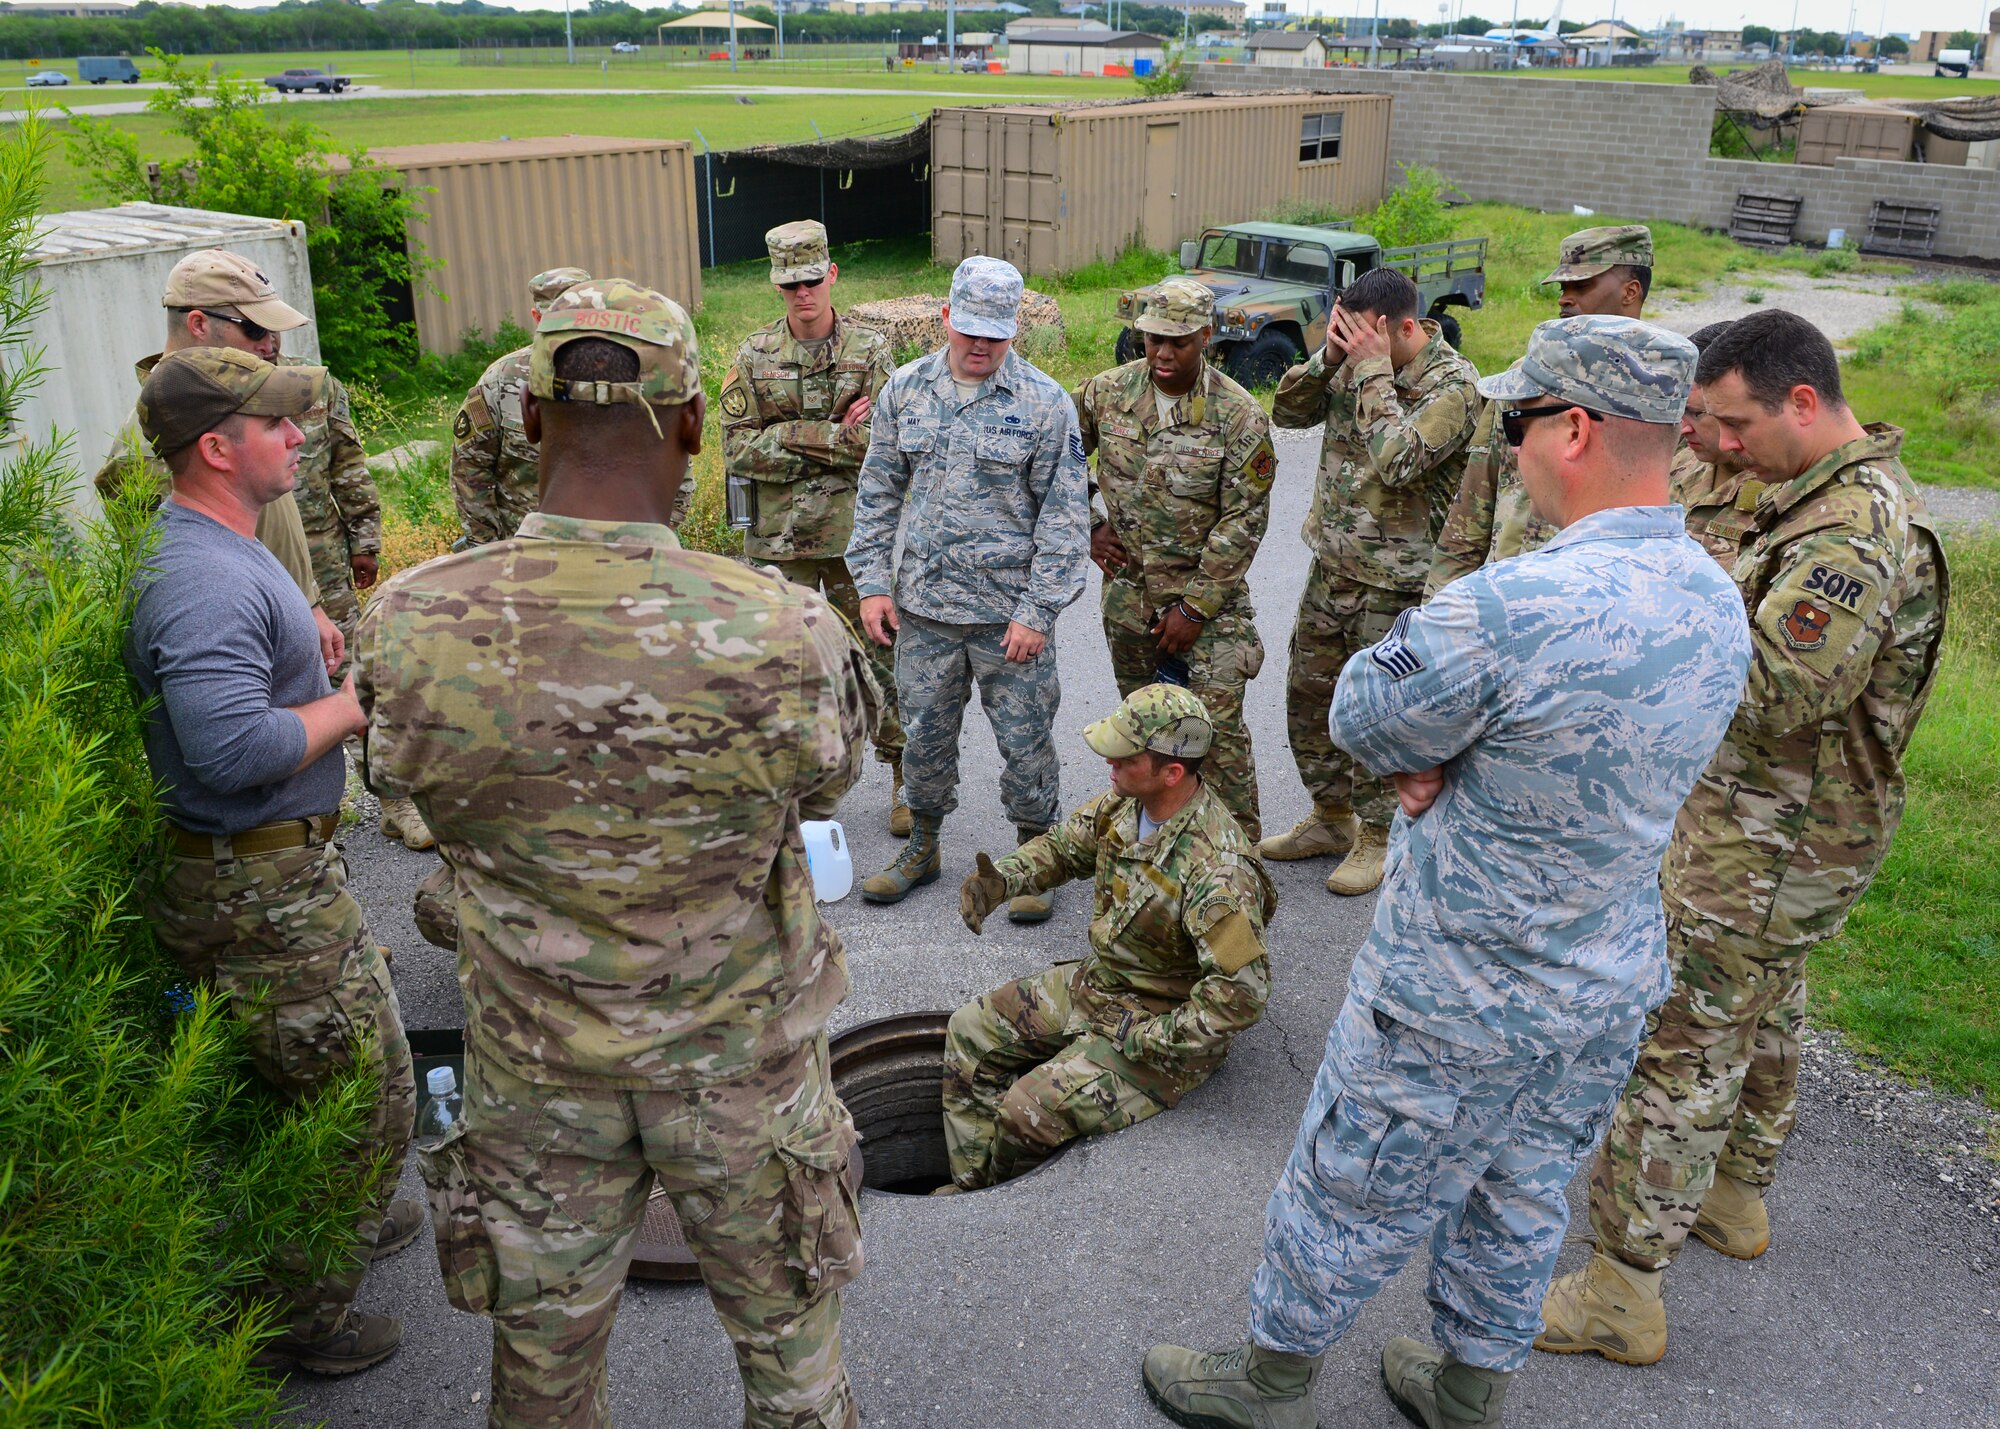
(1230, 10)
(1607, 32)
(1287, 49)
(68, 9)
(1055, 22)
(1077, 51)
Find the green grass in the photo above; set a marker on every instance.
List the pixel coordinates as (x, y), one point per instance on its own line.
(1935, 372)
(1915, 979)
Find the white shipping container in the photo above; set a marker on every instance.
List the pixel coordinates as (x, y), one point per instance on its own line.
(103, 271)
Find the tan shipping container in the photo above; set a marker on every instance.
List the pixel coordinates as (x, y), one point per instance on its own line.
(1052, 188)
(1856, 131)
(504, 210)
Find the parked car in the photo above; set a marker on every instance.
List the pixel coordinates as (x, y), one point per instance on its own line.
(42, 78)
(298, 81)
(96, 69)
(624, 47)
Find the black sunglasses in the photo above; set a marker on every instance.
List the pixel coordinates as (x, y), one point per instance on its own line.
(803, 283)
(1514, 420)
(256, 332)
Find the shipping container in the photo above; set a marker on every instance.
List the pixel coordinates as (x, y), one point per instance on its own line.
(1051, 188)
(1857, 131)
(500, 211)
(103, 272)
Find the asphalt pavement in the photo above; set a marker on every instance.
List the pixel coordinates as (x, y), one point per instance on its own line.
(1030, 1305)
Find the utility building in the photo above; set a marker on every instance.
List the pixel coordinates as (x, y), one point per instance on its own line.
(1079, 51)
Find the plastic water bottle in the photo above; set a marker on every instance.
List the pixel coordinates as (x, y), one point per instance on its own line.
(442, 1112)
(828, 859)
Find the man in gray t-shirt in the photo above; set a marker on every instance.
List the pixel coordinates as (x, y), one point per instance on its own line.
(243, 735)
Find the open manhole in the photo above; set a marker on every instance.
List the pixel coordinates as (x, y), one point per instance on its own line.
(890, 1072)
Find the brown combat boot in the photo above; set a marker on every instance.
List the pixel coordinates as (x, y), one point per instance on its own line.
(1030, 907)
(1320, 833)
(400, 1224)
(361, 1342)
(1608, 1308)
(400, 820)
(1439, 1392)
(918, 863)
(1733, 1219)
(899, 812)
(1361, 871)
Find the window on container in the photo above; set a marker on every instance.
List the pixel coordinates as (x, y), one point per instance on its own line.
(1319, 138)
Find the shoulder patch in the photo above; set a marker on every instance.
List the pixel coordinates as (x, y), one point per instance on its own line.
(1265, 463)
(1843, 588)
(1233, 942)
(735, 401)
(1392, 654)
(461, 426)
(1804, 625)
(1076, 445)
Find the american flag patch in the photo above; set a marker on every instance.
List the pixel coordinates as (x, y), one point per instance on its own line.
(1392, 656)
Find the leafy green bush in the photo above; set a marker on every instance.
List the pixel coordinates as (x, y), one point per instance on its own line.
(1417, 212)
(1168, 78)
(358, 219)
(144, 1181)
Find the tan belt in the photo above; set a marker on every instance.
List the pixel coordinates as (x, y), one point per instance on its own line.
(265, 838)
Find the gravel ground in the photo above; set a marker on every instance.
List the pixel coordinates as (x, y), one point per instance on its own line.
(1840, 307)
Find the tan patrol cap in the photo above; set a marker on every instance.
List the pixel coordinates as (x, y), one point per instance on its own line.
(650, 325)
(1166, 719)
(1177, 307)
(1590, 251)
(192, 392)
(798, 252)
(545, 288)
(230, 284)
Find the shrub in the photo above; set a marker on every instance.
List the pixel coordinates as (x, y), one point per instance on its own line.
(143, 1179)
(1168, 78)
(1417, 212)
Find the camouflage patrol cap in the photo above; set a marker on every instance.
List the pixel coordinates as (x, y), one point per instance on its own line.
(544, 288)
(618, 310)
(1166, 719)
(985, 298)
(1176, 308)
(1589, 252)
(192, 392)
(1618, 366)
(798, 252)
(228, 283)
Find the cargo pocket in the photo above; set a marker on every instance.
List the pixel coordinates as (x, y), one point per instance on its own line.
(822, 1221)
(295, 1013)
(1380, 1148)
(465, 1252)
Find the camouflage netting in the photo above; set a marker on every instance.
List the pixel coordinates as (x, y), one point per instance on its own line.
(1968, 119)
(1765, 94)
(858, 151)
(914, 321)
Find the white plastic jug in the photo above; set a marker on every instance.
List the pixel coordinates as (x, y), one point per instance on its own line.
(827, 857)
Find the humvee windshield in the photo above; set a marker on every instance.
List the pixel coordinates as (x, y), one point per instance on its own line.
(1308, 263)
(1230, 253)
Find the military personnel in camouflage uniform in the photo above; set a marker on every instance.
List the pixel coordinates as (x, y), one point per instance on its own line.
(795, 411)
(1841, 572)
(1176, 967)
(1398, 404)
(1184, 464)
(209, 296)
(243, 735)
(983, 451)
(617, 784)
(1545, 719)
(495, 469)
(1701, 466)
(1604, 271)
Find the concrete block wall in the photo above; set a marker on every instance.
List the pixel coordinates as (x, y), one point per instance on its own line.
(1630, 150)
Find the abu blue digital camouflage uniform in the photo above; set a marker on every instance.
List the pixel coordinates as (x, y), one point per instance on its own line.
(1495, 1008)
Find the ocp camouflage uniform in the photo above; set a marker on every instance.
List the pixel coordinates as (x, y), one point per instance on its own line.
(337, 502)
(1189, 497)
(997, 530)
(1846, 588)
(1173, 975)
(279, 527)
(1391, 458)
(782, 404)
(647, 981)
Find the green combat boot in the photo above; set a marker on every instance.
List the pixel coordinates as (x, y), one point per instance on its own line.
(1733, 1219)
(1248, 1387)
(899, 812)
(1029, 907)
(361, 1341)
(1439, 1392)
(1361, 871)
(1322, 832)
(915, 866)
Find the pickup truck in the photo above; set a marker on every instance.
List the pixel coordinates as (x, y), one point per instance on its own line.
(298, 81)
(1275, 283)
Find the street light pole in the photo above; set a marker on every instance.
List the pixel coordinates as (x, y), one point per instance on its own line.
(951, 36)
(779, 6)
(569, 35)
(1375, 38)
(1792, 35)
(732, 36)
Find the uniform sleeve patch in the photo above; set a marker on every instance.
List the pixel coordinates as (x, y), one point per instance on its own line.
(1804, 625)
(461, 426)
(1233, 942)
(1843, 588)
(1076, 445)
(1264, 464)
(735, 401)
(1392, 655)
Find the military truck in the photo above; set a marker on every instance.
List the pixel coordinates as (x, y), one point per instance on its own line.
(1275, 283)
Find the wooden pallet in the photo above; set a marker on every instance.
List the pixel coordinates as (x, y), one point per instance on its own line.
(1908, 230)
(1763, 218)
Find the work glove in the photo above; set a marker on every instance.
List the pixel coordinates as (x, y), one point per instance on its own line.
(981, 894)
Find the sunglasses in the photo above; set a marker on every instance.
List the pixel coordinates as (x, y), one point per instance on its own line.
(1513, 421)
(802, 283)
(256, 332)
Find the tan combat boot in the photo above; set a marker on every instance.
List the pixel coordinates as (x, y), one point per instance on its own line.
(1733, 1220)
(915, 866)
(1361, 871)
(899, 812)
(1610, 1308)
(1324, 831)
(400, 1224)
(1248, 1387)
(1439, 1392)
(400, 820)
(1029, 907)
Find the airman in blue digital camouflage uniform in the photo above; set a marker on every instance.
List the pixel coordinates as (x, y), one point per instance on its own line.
(1542, 719)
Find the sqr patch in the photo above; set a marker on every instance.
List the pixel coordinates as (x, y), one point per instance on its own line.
(1843, 589)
